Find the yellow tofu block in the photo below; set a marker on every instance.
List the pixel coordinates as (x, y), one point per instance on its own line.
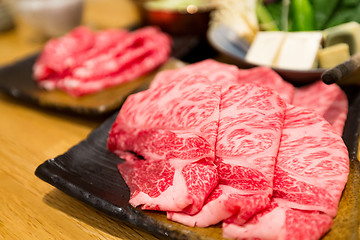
(348, 33)
(331, 56)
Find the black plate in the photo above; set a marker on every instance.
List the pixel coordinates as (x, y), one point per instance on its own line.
(16, 81)
(88, 172)
(224, 40)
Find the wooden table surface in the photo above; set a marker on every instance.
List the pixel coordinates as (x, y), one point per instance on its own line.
(29, 135)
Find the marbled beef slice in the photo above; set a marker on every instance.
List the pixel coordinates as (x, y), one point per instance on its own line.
(251, 119)
(310, 174)
(173, 128)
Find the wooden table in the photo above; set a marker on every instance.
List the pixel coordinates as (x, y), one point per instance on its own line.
(29, 135)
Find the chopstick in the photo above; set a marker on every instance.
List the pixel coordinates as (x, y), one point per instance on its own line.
(343, 71)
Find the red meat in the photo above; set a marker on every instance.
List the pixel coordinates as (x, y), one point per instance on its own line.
(266, 77)
(310, 174)
(84, 62)
(176, 136)
(216, 72)
(327, 100)
(250, 124)
(207, 143)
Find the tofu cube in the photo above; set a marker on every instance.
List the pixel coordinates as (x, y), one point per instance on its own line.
(331, 56)
(265, 47)
(299, 51)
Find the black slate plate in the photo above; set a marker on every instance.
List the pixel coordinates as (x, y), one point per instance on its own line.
(16, 81)
(224, 40)
(88, 172)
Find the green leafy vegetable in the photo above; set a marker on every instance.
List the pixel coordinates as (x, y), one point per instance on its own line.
(285, 20)
(274, 9)
(344, 14)
(266, 20)
(323, 9)
(308, 15)
(303, 15)
(350, 3)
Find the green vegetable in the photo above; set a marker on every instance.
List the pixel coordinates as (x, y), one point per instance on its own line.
(303, 15)
(344, 14)
(324, 9)
(274, 9)
(350, 3)
(285, 21)
(267, 23)
(309, 15)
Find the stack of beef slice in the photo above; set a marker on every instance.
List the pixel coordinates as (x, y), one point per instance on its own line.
(84, 61)
(210, 143)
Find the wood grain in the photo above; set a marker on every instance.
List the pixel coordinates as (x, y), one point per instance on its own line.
(30, 208)
(29, 135)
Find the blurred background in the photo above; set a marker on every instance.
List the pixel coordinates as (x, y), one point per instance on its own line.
(25, 25)
(229, 26)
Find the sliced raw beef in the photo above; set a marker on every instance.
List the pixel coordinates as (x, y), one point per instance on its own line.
(163, 185)
(265, 76)
(281, 223)
(310, 174)
(61, 55)
(250, 124)
(227, 74)
(209, 143)
(312, 164)
(84, 62)
(216, 72)
(188, 106)
(327, 100)
(54, 57)
(172, 129)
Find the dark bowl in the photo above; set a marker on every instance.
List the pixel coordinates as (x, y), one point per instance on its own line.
(177, 22)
